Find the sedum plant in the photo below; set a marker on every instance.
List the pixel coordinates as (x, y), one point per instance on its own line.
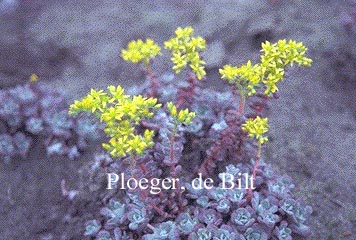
(180, 118)
(209, 135)
(144, 51)
(276, 57)
(121, 114)
(31, 111)
(255, 129)
(185, 51)
(140, 51)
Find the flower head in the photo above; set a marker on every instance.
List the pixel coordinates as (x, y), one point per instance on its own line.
(256, 128)
(276, 57)
(182, 116)
(185, 51)
(245, 77)
(121, 114)
(33, 78)
(139, 50)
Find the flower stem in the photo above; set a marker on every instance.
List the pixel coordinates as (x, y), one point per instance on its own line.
(132, 162)
(241, 104)
(154, 85)
(150, 227)
(171, 154)
(254, 171)
(187, 94)
(258, 156)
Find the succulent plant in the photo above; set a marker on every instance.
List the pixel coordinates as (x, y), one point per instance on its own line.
(243, 218)
(202, 133)
(7, 148)
(255, 233)
(166, 230)
(32, 110)
(186, 223)
(226, 232)
(236, 196)
(138, 218)
(34, 125)
(282, 232)
(22, 143)
(139, 50)
(209, 216)
(115, 212)
(120, 114)
(217, 193)
(185, 51)
(92, 227)
(223, 206)
(104, 235)
(201, 234)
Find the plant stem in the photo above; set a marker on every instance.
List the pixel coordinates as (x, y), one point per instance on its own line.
(254, 171)
(171, 154)
(132, 162)
(153, 81)
(150, 227)
(187, 94)
(242, 103)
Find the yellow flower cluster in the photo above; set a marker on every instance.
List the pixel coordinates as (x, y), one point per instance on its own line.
(276, 57)
(33, 78)
(270, 71)
(185, 51)
(183, 116)
(256, 128)
(121, 114)
(246, 77)
(139, 50)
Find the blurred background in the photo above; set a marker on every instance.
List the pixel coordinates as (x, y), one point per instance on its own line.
(75, 45)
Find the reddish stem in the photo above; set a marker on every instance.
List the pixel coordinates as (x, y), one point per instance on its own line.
(143, 168)
(254, 171)
(171, 154)
(150, 227)
(241, 104)
(132, 162)
(203, 169)
(161, 212)
(186, 93)
(154, 85)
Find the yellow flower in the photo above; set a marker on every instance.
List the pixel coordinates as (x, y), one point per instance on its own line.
(121, 114)
(185, 51)
(183, 116)
(245, 77)
(256, 128)
(33, 78)
(229, 73)
(275, 58)
(138, 51)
